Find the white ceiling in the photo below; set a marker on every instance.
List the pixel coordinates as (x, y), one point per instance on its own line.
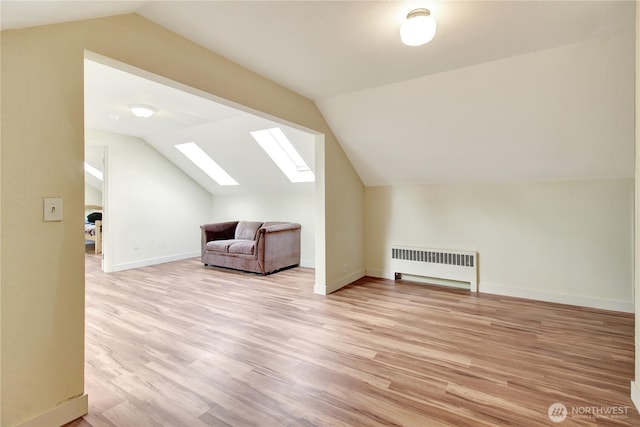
(183, 116)
(404, 115)
(322, 49)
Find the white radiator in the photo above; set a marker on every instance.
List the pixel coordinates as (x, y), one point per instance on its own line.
(461, 266)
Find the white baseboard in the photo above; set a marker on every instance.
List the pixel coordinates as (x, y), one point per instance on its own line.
(154, 261)
(582, 301)
(340, 283)
(179, 257)
(345, 280)
(380, 274)
(635, 394)
(62, 414)
(307, 263)
(319, 289)
(489, 288)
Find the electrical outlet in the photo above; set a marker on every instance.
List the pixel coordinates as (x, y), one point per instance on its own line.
(136, 244)
(344, 268)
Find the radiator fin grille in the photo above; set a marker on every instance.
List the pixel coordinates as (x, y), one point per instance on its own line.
(433, 257)
(456, 265)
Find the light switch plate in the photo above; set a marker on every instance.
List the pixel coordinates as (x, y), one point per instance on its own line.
(53, 209)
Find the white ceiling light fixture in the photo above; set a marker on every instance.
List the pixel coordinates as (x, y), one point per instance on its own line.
(419, 28)
(142, 111)
(276, 144)
(193, 152)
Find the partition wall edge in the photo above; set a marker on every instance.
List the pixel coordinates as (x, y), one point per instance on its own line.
(42, 309)
(635, 385)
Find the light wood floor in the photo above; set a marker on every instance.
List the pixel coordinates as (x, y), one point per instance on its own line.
(180, 345)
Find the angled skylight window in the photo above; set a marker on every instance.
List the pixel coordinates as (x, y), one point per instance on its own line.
(201, 159)
(279, 148)
(93, 171)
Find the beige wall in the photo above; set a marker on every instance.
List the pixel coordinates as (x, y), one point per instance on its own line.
(43, 294)
(42, 309)
(635, 385)
(344, 227)
(563, 241)
(1, 281)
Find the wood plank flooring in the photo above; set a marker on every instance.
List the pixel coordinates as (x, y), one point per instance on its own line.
(180, 345)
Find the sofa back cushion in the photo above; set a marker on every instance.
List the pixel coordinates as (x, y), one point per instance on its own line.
(246, 230)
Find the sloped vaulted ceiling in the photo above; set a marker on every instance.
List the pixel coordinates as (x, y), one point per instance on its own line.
(223, 132)
(506, 90)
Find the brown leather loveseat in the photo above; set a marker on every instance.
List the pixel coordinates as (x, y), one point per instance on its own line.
(259, 247)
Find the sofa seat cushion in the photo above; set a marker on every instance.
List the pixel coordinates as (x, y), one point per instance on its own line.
(246, 230)
(221, 245)
(246, 247)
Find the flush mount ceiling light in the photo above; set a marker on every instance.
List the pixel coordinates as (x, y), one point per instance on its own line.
(418, 29)
(143, 111)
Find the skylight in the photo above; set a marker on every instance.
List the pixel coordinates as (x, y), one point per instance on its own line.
(93, 171)
(201, 159)
(279, 148)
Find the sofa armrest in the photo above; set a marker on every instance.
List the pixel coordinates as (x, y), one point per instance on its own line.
(217, 231)
(278, 246)
(273, 227)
